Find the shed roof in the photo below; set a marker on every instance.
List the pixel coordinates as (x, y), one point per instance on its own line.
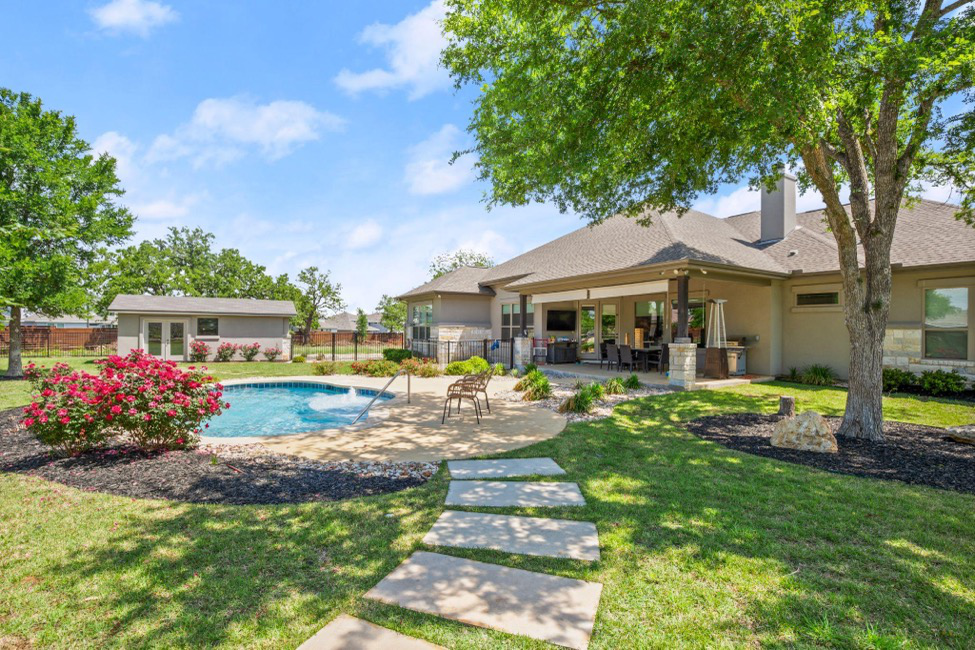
(127, 303)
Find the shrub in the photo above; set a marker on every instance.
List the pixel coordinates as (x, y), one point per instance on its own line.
(530, 379)
(323, 368)
(298, 359)
(514, 372)
(225, 352)
(199, 351)
(583, 399)
(473, 366)
(530, 367)
(499, 370)
(375, 368)
(156, 403)
(540, 389)
(250, 351)
(940, 382)
(420, 367)
(397, 355)
(795, 376)
(897, 380)
(819, 375)
(271, 354)
(615, 386)
(632, 382)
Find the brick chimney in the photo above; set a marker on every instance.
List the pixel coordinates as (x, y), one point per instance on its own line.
(779, 209)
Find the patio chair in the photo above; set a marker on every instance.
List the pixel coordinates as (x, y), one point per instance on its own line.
(603, 355)
(626, 358)
(655, 360)
(479, 383)
(461, 390)
(664, 358)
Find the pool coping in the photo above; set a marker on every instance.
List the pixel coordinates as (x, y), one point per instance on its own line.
(376, 415)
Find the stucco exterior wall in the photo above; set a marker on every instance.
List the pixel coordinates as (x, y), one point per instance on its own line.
(268, 331)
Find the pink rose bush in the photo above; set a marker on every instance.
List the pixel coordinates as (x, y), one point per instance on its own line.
(154, 402)
(272, 353)
(250, 351)
(199, 351)
(225, 352)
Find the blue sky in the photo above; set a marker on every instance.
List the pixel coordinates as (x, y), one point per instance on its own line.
(302, 133)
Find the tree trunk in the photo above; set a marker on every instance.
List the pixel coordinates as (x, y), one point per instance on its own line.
(864, 400)
(15, 367)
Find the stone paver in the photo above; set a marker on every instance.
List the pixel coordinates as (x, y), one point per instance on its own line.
(526, 535)
(349, 633)
(503, 468)
(500, 494)
(550, 608)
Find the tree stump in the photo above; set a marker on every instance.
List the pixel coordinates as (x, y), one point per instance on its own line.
(787, 406)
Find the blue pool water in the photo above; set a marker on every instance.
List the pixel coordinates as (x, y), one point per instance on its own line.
(279, 409)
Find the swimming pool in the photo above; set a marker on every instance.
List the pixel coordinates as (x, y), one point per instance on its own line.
(283, 408)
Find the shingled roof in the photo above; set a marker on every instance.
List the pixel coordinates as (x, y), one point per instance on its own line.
(126, 303)
(466, 279)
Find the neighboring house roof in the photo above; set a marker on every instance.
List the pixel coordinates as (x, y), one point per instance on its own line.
(30, 317)
(125, 303)
(466, 279)
(346, 322)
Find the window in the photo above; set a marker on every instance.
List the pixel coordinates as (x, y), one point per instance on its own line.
(608, 329)
(695, 320)
(511, 320)
(817, 299)
(587, 329)
(207, 327)
(946, 323)
(649, 319)
(421, 321)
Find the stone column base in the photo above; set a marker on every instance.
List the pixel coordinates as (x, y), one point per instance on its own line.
(683, 364)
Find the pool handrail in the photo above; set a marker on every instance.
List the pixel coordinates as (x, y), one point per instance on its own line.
(383, 390)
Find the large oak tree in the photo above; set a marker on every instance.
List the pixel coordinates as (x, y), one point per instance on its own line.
(610, 107)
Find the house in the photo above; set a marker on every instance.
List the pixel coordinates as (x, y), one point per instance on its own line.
(166, 326)
(346, 322)
(68, 321)
(778, 271)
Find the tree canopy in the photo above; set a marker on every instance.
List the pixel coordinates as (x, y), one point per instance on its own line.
(361, 324)
(611, 107)
(392, 313)
(58, 211)
(318, 296)
(447, 262)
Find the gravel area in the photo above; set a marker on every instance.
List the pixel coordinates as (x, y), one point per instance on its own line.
(911, 453)
(245, 474)
(602, 409)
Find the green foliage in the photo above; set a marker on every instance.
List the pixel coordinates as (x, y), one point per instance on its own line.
(318, 294)
(530, 378)
(898, 381)
(940, 382)
(361, 324)
(473, 366)
(794, 375)
(397, 355)
(375, 368)
(583, 400)
(530, 367)
(298, 359)
(539, 389)
(615, 386)
(632, 382)
(392, 313)
(58, 211)
(819, 375)
(447, 262)
(499, 370)
(421, 367)
(323, 368)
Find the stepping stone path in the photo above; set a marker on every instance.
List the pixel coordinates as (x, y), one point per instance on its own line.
(537, 605)
(507, 494)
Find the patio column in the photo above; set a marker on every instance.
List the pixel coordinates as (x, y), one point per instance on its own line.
(683, 299)
(523, 308)
(683, 353)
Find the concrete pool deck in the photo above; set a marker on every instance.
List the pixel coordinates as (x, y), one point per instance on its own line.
(413, 432)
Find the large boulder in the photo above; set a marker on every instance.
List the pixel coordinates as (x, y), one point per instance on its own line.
(807, 431)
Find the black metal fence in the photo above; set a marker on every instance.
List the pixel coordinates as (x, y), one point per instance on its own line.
(343, 346)
(63, 341)
(443, 352)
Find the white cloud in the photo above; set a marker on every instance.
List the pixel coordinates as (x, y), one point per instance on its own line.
(364, 235)
(222, 130)
(412, 49)
(165, 209)
(133, 16)
(429, 171)
(122, 149)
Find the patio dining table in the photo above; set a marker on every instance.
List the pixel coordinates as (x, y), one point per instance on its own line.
(642, 356)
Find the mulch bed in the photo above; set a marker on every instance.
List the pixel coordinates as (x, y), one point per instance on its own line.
(911, 453)
(193, 476)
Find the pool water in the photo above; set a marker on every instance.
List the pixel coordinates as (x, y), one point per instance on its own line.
(289, 407)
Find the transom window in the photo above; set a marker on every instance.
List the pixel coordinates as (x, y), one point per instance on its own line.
(946, 323)
(421, 321)
(817, 299)
(208, 327)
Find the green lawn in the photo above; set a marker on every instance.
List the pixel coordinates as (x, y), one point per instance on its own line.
(702, 547)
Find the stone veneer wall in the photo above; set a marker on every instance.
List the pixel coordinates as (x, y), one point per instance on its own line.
(460, 333)
(903, 349)
(683, 365)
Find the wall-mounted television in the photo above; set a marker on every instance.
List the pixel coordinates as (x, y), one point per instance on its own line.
(560, 320)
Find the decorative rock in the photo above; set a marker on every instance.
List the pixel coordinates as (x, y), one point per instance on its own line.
(787, 406)
(806, 432)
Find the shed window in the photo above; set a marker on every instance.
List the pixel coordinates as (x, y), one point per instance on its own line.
(207, 327)
(946, 323)
(817, 299)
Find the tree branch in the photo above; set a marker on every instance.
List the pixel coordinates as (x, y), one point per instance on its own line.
(947, 9)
